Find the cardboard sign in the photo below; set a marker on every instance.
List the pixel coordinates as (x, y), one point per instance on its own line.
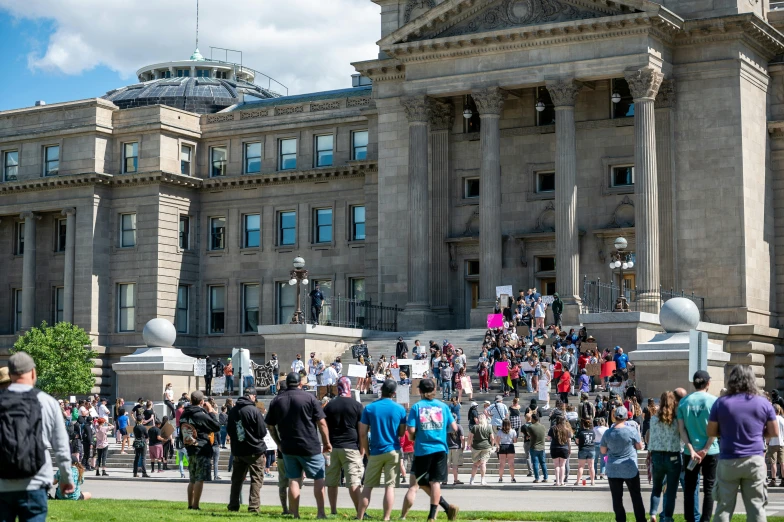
(501, 369)
(395, 374)
(405, 362)
(167, 430)
(418, 369)
(523, 331)
(499, 290)
(357, 370)
(588, 347)
(495, 321)
(526, 367)
(593, 370)
(218, 386)
(403, 393)
(607, 368)
(199, 368)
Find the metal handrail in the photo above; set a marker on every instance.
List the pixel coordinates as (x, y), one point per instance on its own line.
(270, 79)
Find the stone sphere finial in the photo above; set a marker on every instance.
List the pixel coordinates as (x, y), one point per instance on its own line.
(679, 315)
(159, 333)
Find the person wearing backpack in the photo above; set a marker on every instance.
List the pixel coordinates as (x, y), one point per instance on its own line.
(247, 430)
(197, 433)
(25, 466)
(139, 445)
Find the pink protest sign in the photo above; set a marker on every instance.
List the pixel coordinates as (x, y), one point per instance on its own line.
(501, 369)
(495, 320)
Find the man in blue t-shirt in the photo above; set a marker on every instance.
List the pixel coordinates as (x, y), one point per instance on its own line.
(428, 423)
(385, 419)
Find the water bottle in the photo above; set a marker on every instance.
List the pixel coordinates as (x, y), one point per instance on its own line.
(583, 482)
(692, 465)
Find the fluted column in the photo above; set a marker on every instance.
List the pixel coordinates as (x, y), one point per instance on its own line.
(68, 270)
(28, 271)
(489, 103)
(441, 120)
(644, 84)
(417, 111)
(567, 236)
(665, 163)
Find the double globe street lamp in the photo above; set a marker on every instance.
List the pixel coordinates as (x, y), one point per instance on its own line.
(623, 260)
(298, 275)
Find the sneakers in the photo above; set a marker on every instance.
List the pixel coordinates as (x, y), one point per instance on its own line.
(471, 481)
(513, 480)
(451, 513)
(536, 481)
(500, 479)
(484, 483)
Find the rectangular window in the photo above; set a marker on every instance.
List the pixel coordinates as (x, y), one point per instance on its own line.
(324, 150)
(217, 233)
(288, 154)
(287, 302)
(19, 235)
(185, 232)
(322, 225)
(181, 314)
(185, 160)
(130, 157)
(61, 228)
(545, 264)
(622, 176)
(252, 158)
(167, 74)
(358, 223)
(621, 99)
(287, 233)
(10, 165)
(359, 143)
(127, 230)
(217, 309)
(471, 188)
(58, 300)
(357, 314)
(325, 285)
(17, 310)
(183, 73)
(250, 303)
(472, 268)
(545, 111)
(51, 160)
(251, 235)
(218, 156)
(202, 73)
(473, 122)
(126, 307)
(545, 181)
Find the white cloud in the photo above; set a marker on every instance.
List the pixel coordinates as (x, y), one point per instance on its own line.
(306, 44)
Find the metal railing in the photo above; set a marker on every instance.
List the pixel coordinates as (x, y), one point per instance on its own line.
(776, 6)
(601, 297)
(356, 313)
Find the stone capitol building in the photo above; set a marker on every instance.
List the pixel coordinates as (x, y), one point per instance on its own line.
(490, 142)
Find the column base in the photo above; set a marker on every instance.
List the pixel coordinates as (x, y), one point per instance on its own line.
(479, 315)
(417, 318)
(571, 311)
(444, 317)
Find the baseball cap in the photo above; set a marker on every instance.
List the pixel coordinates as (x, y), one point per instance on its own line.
(620, 413)
(701, 377)
(4, 377)
(250, 390)
(427, 386)
(499, 398)
(20, 363)
(474, 403)
(617, 348)
(292, 379)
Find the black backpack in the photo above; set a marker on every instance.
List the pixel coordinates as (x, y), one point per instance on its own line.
(22, 450)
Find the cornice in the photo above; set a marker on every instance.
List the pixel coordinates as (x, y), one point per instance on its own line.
(54, 182)
(550, 129)
(58, 132)
(748, 27)
(352, 169)
(776, 129)
(381, 70)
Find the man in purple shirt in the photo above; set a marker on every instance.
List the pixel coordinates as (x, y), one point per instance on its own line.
(741, 419)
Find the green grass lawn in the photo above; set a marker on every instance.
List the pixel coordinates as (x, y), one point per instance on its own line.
(149, 511)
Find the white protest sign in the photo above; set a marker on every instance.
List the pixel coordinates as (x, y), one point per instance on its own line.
(218, 386)
(503, 290)
(405, 362)
(357, 370)
(418, 369)
(72, 399)
(403, 393)
(199, 368)
(395, 373)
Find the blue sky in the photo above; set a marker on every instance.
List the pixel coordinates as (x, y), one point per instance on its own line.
(63, 50)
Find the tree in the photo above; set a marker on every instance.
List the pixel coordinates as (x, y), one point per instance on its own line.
(63, 358)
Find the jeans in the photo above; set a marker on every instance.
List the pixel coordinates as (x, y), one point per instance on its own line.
(437, 374)
(223, 435)
(181, 454)
(28, 506)
(270, 459)
(537, 457)
(515, 385)
(138, 461)
(446, 390)
(247, 381)
(557, 319)
(708, 469)
(529, 382)
(171, 407)
(616, 489)
(315, 312)
(230, 383)
(747, 474)
(242, 465)
(598, 463)
(215, 459)
(208, 385)
(666, 466)
(274, 387)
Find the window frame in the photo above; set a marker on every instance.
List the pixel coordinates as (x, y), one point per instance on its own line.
(246, 230)
(610, 163)
(245, 308)
(178, 309)
(58, 291)
(245, 157)
(225, 161)
(211, 310)
(353, 236)
(279, 228)
(19, 238)
(355, 147)
(7, 167)
(190, 158)
(17, 298)
(60, 236)
(538, 175)
(211, 243)
(317, 151)
(317, 227)
(186, 235)
(120, 306)
(532, 172)
(279, 317)
(281, 154)
(468, 179)
(46, 162)
(613, 184)
(123, 230)
(125, 157)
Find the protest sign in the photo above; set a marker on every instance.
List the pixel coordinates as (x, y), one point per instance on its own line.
(403, 393)
(199, 368)
(500, 290)
(501, 369)
(357, 370)
(495, 321)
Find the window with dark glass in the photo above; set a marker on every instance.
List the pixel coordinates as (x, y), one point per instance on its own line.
(287, 234)
(19, 235)
(183, 73)
(287, 302)
(288, 154)
(472, 123)
(218, 157)
(58, 300)
(126, 308)
(322, 222)
(471, 188)
(472, 267)
(358, 223)
(625, 107)
(61, 227)
(185, 232)
(359, 142)
(185, 160)
(250, 300)
(17, 310)
(217, 233)
(545, 181)
(324, 150)
(547, 116)
(217, 309)
(130, 157)
(127, 230)
(10, 165)
(252, 158)
(546, 264)
(51, 160)
(181, 314)
(622, 176)
(252, 230)
(202, 73)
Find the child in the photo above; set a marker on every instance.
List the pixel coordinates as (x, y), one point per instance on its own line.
(101, 447)
(77, 472)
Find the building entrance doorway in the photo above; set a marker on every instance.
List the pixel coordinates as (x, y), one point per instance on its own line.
(471, 300)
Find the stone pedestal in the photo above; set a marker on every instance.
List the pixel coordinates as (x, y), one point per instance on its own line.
(288, 340)
(625, 329)
(479, 316)
(414, 319)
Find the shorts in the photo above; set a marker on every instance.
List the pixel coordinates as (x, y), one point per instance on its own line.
(506, 449)
(775, 454)
(408, 460)
(431, 468)
(199, 468)
(156, 452)
(311, 465)
(586, 453)
(455, 457)
(559, 453)
(350, 462)
(389, 463)
(482, 455)
(122, 431)
(283, 480)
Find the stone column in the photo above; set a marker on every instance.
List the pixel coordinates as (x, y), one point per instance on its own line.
(490, 103)
(441, 121)
(68, 270)
(644, 84)
(28, 271)
(567, 236)
(665, 163)
(418, 306)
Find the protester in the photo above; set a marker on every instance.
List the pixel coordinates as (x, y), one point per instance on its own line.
(343, 415)
(77, 475)
(483, 442)
(197, 428)
(295, 419)
(25, 495)
(499, 411)
(456, 444)
(741, 419)
(620, 443)
(139, 447)
(538, 434)
(775, 453)
(168, 398)
(247, 430)
(228, 373)
(586, 450)
(155, 447)
(101, 446)
(401, 349)
(560, 436)
(507, 438)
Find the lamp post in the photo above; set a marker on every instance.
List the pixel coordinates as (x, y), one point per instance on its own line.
(298, 275)
(623, 260)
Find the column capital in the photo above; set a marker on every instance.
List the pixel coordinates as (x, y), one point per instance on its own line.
(442, 115)
(489, 100)
(563, 92)
(417, 108)
(644, 83)
(69, 211)
(665, 98)
(28, 215)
